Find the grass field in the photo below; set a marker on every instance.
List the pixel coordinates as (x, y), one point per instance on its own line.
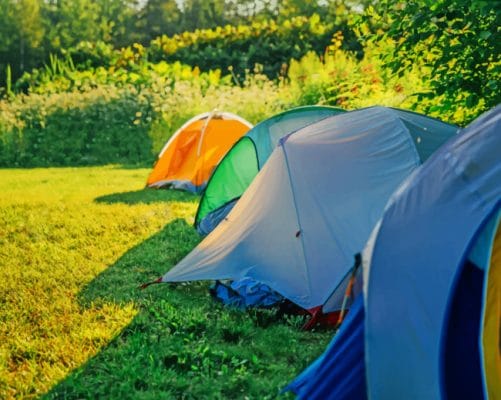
(74, 245)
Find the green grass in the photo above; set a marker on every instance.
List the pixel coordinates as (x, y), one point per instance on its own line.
(74, 245)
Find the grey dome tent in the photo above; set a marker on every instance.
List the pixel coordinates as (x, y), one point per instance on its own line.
(240, 165)
(314, 203)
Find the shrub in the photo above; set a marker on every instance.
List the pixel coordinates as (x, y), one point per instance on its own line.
(100, 123)
(241, 47)
(125, 115)
(340, 78)
(101, 126)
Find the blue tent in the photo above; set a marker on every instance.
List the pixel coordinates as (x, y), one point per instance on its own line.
(427, 325)
(314, 203)
(342, 363)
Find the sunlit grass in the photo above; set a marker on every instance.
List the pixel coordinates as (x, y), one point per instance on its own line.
(74, 245)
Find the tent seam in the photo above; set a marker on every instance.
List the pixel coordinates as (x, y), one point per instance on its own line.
(409, 137)
(201, 142)
(264, 124)
(297, 217)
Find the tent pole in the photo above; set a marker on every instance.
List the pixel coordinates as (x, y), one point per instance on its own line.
(349, 288)
(202, 134)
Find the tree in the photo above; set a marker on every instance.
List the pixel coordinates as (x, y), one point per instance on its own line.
(119, 22)
(458, 39)
(21, 33)
(159, 17)
(71, 21)
(199, 14)
(292, 8)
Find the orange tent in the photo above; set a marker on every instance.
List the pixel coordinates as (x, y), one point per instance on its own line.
(191, 154)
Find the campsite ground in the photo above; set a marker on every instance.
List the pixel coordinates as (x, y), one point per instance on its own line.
(74, 245)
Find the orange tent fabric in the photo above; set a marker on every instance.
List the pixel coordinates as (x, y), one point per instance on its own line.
(192, 153)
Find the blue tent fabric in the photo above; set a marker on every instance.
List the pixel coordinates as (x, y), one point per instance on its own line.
(313, 205)
(245, 293)
(339, 373)
(302, 382)
(427, 229)
(211, 220)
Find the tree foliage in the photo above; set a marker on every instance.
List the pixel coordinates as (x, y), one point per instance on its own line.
(459, 41)
(158, 17)
(31, 30)
(239, 48)
(21, 34)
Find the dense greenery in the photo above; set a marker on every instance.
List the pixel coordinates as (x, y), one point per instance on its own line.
(75, 244)
(459, 40)
(99, 116)
(453, 43)
(31, 30)
(104, 115)
(234, 50)
(94, 123)
(107, 125)
(95, 105)
(241, 47)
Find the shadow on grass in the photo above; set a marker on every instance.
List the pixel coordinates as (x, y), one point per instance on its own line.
(182, 344)
(146, 196)
(145, 262)
(120, 369)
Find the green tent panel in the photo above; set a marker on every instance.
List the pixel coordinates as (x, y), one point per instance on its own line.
(231, 177)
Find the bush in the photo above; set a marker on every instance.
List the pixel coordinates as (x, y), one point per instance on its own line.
(123, 123)
(236, 50)
(266, 43)
(101, 126)
(455, 41)
(126, 115)
(340, 78)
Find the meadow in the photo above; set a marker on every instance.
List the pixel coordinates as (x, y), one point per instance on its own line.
(74, 246)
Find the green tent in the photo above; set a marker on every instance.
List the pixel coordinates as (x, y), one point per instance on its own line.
(241, 164)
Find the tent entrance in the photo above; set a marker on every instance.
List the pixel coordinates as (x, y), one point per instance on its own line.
(236, 170)
(471, 352)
